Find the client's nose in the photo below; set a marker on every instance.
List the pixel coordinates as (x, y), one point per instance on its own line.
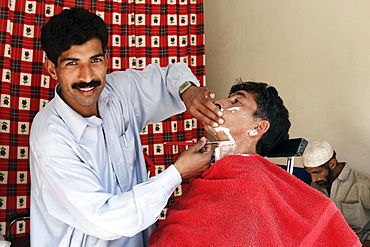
(223, 103)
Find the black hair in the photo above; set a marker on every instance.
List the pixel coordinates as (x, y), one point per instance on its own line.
(74, 26)
(270, 107)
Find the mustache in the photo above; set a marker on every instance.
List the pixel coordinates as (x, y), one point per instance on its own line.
(93, 83)
(321, 182)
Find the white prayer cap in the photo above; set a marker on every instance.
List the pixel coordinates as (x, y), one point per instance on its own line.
(317, 153)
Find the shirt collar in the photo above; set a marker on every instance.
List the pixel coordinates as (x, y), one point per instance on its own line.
(75, 122)
(344, 174)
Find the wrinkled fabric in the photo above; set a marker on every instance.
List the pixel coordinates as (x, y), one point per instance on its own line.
(249, 201)
(350, 192)
(89, 181)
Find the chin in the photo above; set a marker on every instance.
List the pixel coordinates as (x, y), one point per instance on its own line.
(217, 133)
(209, 129)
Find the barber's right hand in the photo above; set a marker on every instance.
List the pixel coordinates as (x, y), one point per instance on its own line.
(195, 160)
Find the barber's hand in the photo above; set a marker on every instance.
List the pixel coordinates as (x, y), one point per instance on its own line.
(198, 103)
(195, 160)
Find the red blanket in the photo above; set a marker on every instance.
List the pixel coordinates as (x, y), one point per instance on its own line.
(249, 201)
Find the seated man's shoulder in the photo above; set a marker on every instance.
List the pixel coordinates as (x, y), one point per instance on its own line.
(360, 174)
(361, 177)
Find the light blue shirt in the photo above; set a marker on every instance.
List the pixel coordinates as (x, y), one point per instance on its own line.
(89, 183)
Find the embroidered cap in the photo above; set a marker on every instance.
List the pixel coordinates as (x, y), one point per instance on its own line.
(317, 153)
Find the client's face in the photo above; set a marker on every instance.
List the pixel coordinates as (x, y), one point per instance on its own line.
(238, 112)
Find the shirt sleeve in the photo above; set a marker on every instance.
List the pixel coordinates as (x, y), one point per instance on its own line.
(74, 195)
(153, 86)
(365, 200)
(73, 190)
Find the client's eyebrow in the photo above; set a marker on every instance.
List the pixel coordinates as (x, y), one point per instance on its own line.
(238, 93)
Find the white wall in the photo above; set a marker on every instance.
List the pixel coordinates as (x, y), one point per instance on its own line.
(316, 53)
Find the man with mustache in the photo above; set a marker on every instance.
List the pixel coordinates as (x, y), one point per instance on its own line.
(89, 180)
(348, 188)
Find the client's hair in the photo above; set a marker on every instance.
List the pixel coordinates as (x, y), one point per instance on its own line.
(270, 107)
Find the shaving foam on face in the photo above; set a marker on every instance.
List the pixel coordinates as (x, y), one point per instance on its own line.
(225, 147)
(232, 109)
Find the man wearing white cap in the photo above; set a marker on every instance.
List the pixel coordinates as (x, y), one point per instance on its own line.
(349, 189)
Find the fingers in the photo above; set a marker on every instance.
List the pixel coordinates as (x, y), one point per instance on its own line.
(209, 93)
(198, 103)
(206, 111)
(209, 104)
(195, 160)
(201, 146)
(197, 147)
(206, 114)
(211, 113)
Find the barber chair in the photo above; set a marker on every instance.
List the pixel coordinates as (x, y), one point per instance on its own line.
(289, 149)
(17, 241)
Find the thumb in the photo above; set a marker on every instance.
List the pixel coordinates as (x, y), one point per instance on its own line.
(200, 144)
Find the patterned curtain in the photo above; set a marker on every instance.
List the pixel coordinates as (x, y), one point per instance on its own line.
(142, 32)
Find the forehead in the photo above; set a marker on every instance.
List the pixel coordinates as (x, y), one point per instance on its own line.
(88, 49)
(314, 169)
(243, 94)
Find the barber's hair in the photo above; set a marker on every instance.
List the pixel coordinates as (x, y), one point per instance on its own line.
(74, 26)
(270, 107)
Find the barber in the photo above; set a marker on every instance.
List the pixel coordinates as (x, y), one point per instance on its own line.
(89, 184)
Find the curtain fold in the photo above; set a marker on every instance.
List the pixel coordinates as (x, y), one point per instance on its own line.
(141, 32)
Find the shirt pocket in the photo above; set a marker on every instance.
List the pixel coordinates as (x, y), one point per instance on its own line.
(352, 212)
(127, 143)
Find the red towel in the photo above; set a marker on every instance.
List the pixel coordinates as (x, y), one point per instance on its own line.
(249, 201)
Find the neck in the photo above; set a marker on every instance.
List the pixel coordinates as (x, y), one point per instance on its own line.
(235, 147)
(337, 170)
(87, 111)
(83, 110)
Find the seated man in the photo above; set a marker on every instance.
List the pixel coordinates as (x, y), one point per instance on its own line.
(245, 200)
(349, 189)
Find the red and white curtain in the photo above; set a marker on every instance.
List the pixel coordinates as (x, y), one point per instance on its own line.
(141, 32)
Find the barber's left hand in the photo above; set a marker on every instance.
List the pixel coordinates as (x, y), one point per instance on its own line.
(198, 103)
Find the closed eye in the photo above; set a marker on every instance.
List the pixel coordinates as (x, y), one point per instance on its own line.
(237, 97)
(236, 100)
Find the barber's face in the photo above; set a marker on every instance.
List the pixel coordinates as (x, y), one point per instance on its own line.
(321, 175)
(238, 112)
(81, 73)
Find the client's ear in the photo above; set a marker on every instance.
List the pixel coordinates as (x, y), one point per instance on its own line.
(260, 129)
(263, 127)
